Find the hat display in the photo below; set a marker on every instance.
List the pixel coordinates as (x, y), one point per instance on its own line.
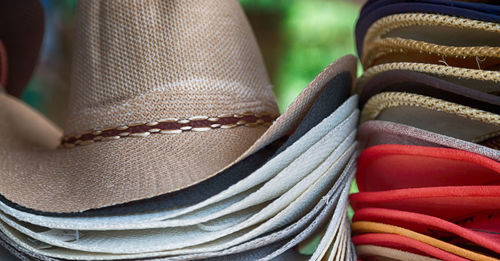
(133, 174)
(21, 34)
(173, 147)
(429, 95)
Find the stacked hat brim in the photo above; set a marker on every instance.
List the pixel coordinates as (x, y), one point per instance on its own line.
(429, 175)
(168, 154)
(334, 128)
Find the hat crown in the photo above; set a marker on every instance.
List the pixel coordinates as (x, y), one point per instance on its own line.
(136, 61)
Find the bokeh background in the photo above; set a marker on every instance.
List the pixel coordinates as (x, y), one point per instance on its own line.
(298, 38)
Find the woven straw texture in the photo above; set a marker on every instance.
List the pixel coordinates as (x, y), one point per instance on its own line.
(381, 49)
(140, 61)
(386, 24)
(434, 69)
(385, 100)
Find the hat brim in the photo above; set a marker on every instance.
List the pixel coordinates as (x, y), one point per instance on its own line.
(442, 202)
(374, 227)
(369, 252)
(388, 167)
(372, 133)
(432, 114)
(110, 173)
(21, 31)
(395, 49)
(296, 206)
(404, 243)
(480, 80)
(423, 84)
(436, 227)
(371, 15)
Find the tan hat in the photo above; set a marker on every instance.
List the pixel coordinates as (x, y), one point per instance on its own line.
(164, 95)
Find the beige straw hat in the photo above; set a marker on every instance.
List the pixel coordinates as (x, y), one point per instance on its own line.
(164, 95)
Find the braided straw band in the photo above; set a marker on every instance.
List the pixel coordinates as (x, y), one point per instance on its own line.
(383, 47)
(433, 69)
(169, 126)
(392, 22)
(385, 100)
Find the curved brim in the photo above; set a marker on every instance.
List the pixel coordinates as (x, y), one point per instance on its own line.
(435, 28)
(21, 31)
(373, 252)
(395, 49)
(423, 84)
(374, 227)
(432, 114)
(294, 207)
(404, 243)
(484, 236)
(377, 132)
(370, 15)
(388, 167)
(108, 173)
(481, 80)
(442, 202)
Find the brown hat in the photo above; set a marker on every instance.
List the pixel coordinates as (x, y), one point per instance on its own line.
(21, 34)
(164, 94)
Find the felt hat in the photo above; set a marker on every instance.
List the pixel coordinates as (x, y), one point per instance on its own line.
(432, 114)
(377, 132)
(21, 34)
(156, 105)
(387, 167)
(476, 229)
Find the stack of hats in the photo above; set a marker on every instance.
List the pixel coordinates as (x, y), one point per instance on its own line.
(173, 148)
(429, 177)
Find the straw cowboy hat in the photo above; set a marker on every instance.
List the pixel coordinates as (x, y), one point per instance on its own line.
(164, 95)
(21, 33)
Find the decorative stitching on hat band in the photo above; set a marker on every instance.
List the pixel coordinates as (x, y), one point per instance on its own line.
(385, 100)
(169, 126)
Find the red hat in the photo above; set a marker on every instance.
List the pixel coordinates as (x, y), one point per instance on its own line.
(388, 167)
